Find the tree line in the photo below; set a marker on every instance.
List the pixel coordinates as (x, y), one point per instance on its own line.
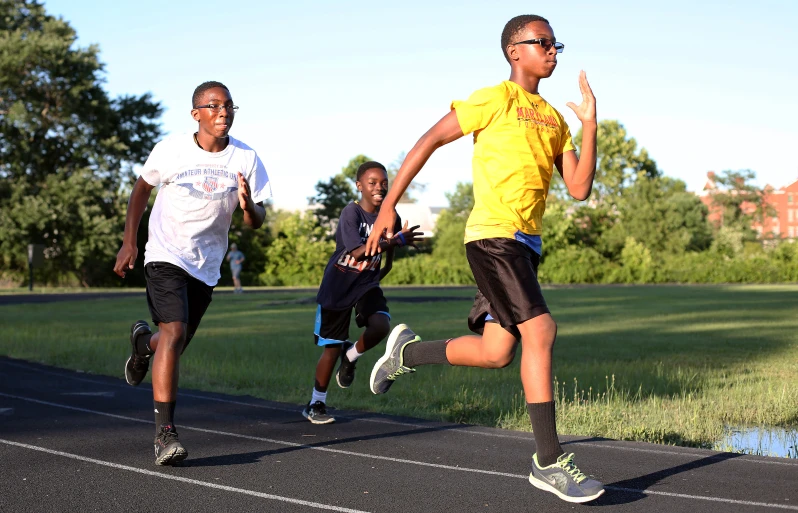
(68, 153)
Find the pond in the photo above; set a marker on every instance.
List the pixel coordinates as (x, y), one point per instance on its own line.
(779, 442)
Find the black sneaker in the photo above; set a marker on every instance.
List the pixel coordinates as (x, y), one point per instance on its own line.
(346, 370)
(565, 480)
(317, 413)
(168, 449)
(391, 365)
(137, 365)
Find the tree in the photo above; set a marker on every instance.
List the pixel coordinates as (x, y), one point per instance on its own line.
(350, 169)
(451, 223)
(740, 203)
(63, 139)
(336, 193)
(332, 196)
(299, 252)
(339, 190)
(619, 161)
(662, 215)
(254, 243)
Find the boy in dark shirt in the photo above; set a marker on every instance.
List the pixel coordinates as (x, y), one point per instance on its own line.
(352, 280)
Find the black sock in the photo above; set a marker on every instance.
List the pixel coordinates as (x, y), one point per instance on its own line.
(424, 353)
(143, 344)
(545, 429)
(164, 414)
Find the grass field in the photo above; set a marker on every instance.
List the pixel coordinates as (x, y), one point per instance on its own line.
(666, 364)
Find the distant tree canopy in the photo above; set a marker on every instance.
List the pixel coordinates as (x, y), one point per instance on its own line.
(66, 147)
(631, 205)
(740, 202)
(619, 162)
(333, 194)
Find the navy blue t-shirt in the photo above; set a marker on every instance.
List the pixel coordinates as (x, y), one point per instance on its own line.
(346, 280)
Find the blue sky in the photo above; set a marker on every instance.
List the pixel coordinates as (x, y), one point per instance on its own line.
(703, 85)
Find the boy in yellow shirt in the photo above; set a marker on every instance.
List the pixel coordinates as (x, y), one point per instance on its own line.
(518, 140)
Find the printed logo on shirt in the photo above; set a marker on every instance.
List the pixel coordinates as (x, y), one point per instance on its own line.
(348, 263)
(211, 186)
(531, 117)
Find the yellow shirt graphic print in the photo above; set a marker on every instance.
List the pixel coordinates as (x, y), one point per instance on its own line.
(517, 136)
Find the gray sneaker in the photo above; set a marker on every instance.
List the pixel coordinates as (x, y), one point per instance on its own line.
(390, 366)
(564, 480)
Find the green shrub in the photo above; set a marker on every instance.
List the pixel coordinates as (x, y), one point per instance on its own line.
(575, 265)
(425, 269)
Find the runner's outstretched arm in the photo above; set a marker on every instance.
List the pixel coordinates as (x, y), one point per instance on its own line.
(443, 132)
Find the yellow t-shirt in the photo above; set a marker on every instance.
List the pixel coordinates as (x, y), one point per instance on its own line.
(517, 136)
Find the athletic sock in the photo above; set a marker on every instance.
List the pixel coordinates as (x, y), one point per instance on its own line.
(164, 414)
(545, 429)
(424, 353)
(353, 354)
(318, 396)
(143, 344)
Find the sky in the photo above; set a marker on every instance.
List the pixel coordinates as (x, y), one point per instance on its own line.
(702, 85)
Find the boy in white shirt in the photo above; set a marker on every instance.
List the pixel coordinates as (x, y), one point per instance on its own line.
(203, 177)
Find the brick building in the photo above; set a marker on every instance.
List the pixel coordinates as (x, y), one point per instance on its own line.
(784, 224)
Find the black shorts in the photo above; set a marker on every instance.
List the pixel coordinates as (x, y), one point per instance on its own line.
(506, 272)
(332, 326)
(173, 295)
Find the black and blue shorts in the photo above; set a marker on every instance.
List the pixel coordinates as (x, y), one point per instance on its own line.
(506, 272)
(173, 295)
(332, 326)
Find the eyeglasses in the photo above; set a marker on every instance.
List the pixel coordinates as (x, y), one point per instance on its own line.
(543, 42)
(217, 108)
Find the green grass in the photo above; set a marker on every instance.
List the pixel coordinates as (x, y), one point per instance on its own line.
(664, 364)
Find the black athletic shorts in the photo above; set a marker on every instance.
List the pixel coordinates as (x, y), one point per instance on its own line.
(332, 326)
(173, 295)
(506, 272)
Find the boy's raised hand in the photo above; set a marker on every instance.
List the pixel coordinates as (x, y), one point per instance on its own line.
(585, 111)
(383, 227)
(409, 236)
(244, 193)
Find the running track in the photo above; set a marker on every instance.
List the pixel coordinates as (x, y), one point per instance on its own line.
(77, 442)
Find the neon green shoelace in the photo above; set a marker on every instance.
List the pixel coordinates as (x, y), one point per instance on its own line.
(399, 372)
(567, 464)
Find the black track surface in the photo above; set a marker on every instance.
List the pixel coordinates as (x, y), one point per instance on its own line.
(76, 442)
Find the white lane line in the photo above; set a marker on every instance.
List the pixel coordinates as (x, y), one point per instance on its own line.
(206, 484)
(6, 411)
(456, 429)
(269, 440)
(91, 394)
(711, 499)
(400, 460)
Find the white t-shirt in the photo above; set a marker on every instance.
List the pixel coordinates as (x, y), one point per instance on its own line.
(194, 206)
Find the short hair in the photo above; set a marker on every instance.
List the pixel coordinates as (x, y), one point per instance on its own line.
(516, 25)
(368, 165)
(200, 90)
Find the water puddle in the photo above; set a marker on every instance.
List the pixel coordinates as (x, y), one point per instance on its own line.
(779, 442)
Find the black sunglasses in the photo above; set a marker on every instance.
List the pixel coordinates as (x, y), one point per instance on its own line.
(546, 44)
